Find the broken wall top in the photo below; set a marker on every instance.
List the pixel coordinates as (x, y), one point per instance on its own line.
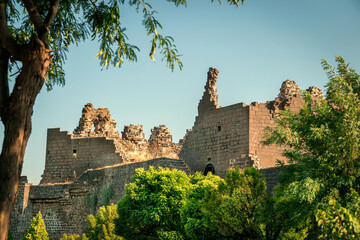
(289, 93)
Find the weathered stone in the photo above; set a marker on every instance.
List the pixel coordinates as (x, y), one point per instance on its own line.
(288, 90)
(210, 98)
(104, 124)
(161, 144)
(315, 92)
(231, 136)
(134, 133)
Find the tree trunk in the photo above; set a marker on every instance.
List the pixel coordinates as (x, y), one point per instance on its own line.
(16, 117)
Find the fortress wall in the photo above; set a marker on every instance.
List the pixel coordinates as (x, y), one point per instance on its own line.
(219, 137)
(68, 157)
(64, 207)
(58, 156)
(260, 118)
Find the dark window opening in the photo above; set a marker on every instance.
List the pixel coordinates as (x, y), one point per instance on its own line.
(219, 128)
(209, 168)
(209, 159)
(74, 151)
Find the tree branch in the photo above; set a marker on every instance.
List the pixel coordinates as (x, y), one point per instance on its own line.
(34, 16)
(4, 82)
(53, 10)
(54, 6)
(6, 41)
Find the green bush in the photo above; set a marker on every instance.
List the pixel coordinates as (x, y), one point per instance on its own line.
(165, 204)
(74, 237)
(37, 230)
(152, 206)
(102, 226)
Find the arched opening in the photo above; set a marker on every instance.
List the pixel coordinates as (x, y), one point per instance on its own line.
(209, 168)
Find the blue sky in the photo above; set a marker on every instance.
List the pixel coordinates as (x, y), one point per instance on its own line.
(255, 47)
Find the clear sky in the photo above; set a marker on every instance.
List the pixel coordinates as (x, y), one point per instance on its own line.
(255, 47)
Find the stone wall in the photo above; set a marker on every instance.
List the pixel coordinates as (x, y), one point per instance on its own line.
(219, 137)
(64, 207)
(230, 136)
(67, 157)
(96, 143)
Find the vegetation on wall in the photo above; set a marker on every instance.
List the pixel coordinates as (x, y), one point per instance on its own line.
(106, 194)
(91, 201)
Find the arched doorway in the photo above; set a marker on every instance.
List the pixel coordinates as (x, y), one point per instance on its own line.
(209, 168)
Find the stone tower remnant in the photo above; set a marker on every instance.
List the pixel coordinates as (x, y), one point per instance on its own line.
(224, 137)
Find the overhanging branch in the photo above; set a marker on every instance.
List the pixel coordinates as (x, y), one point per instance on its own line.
(54, 6)
(6, 40)
(34, 16)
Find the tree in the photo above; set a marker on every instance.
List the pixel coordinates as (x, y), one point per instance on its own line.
(74, 237)
(36, 36)
(319, 194)
(37, 230)
(236, 208)
(102, 226)
(152, 206)
(197, 222)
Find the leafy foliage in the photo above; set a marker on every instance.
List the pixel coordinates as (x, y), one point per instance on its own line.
(236, 207)
(318, 195)
(197, 222)
(37, 230)
(74, 237)
(164, 204)
(152, 206)
(102, 225)
(99, 20)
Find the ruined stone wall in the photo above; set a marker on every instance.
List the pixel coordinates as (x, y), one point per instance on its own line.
(67, 157)
(231, 136)
(64, 207)
(263, 115)
(220, 135)
(260, 118)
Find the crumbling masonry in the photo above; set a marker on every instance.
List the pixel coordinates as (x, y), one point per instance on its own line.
(81, 167)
